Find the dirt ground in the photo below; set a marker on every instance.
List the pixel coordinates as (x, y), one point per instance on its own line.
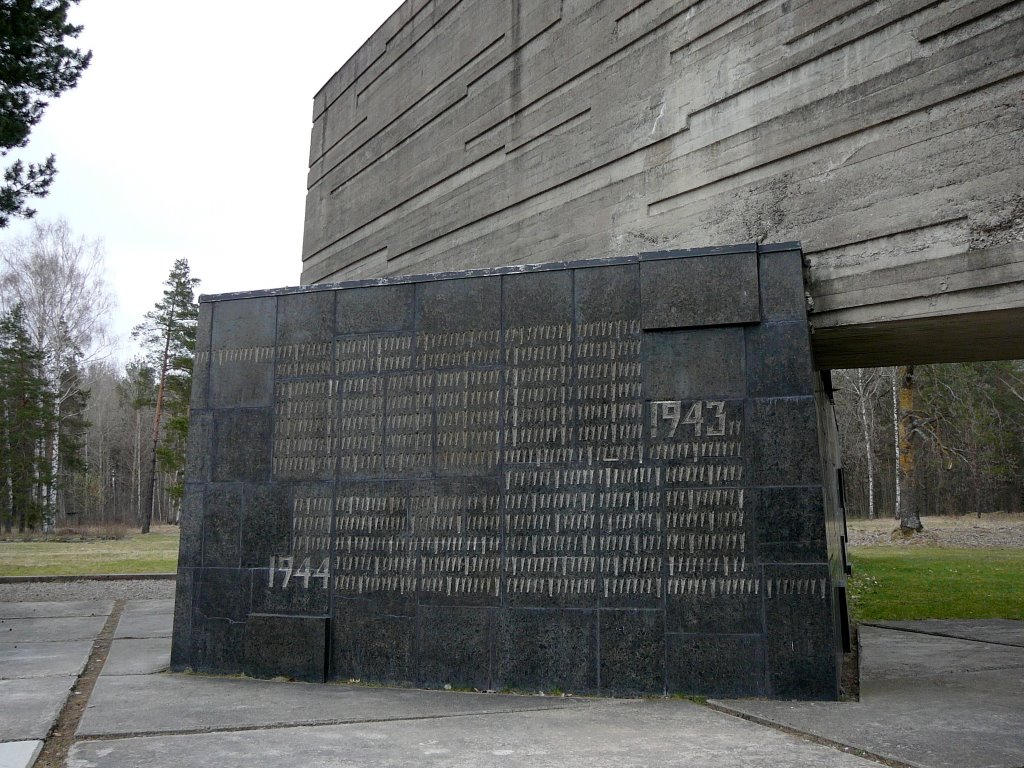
(998, 530)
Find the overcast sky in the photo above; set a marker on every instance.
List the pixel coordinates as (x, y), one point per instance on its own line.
(188, 136)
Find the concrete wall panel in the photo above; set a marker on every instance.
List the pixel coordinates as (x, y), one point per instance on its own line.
(885, 136)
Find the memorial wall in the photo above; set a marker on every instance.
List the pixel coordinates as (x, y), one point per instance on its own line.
(607, 476)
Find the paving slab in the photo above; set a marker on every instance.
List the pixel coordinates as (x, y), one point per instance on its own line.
(166, 703)
(1004, 631)
(31, 705)
(19, 660)
(893, 655)
(137, 607)
(42, 630)
(144, 625)
(56, 610)
(625, 734)
(925, 701)
(19, 754)
(138, 656)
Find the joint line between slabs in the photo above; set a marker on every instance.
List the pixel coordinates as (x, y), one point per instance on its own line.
(61, 737)
(309, 724)
(935, 633)
(847, 749)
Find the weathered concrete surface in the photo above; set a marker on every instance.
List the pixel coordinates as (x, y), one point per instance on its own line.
(925, 700)
(886, 137)
(56, 610)
(160, 607)
(146, 625)
(31, 705)
(43, 659)
(44, 646)
(915, 654)
(138, 656)
(169, 703)
(635, 733)
(990, 631)
(58, 629)
(19, 754)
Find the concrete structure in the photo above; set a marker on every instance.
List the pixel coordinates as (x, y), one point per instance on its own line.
(601, 477)
(887, 137)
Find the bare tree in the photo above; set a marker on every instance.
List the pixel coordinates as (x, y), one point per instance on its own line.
(865, 386)
(60, 281)
(894, 381)
(908, 429)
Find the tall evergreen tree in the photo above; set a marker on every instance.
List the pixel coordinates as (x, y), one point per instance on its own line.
(169, 337)
(69, 457)
(28, 410)
(35, 65)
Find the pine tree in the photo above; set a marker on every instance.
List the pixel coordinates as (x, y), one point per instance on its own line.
(27, 406)
(169, 336)
(35, 64)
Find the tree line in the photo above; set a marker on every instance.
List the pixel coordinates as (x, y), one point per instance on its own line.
(944, 439)
(84, 440)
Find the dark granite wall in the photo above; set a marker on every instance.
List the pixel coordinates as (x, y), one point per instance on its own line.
(597, 477)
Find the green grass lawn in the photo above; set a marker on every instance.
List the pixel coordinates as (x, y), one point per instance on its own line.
(905, 583)
(152, 553)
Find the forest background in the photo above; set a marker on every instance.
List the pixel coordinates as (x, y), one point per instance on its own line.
(82, 443)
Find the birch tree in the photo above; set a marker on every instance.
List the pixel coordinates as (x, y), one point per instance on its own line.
(59, 281)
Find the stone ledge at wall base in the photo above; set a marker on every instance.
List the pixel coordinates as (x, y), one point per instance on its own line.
(611, 476)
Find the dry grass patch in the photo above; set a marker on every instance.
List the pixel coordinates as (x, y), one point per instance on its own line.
(79, 554)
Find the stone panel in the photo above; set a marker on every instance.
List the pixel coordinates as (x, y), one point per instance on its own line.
(242, 446)
(632, 652)
(694, 364)
(463, 664)
(608, 293)
(779, 360)
(540, 649)
(700, 290)
(242, 349)
(802, 647)
(371, 645)
(783, 441)
(222, 513)
(376, 309)
(286, 646)
(716, 665)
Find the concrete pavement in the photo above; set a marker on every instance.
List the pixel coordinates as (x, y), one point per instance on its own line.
(951, 697)
(43, 649)
(925, 700)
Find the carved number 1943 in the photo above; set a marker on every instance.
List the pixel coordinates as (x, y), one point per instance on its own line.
(707, 417)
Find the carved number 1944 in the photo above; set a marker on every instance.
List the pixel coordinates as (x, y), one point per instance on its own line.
(285, 566)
